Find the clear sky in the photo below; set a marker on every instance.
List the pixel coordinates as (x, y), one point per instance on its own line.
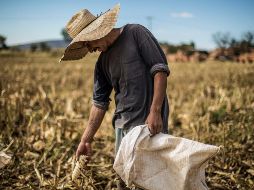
(174, 21)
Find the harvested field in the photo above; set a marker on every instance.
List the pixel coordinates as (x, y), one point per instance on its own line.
(44, 107)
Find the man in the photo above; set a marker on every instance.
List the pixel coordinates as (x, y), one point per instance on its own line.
(132, 63)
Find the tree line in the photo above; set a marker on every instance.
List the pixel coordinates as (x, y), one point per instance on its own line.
(225, 41)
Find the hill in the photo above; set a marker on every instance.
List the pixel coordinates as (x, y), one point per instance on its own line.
(50, 43)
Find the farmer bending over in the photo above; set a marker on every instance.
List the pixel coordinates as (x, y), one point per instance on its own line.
(132, 63)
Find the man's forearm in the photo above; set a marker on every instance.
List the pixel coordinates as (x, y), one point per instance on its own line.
(160, 85)
(94, 122)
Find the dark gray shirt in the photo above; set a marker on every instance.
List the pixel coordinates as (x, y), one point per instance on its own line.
(128, 67)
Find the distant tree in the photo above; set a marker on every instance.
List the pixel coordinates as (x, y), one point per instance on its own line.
(2, 42)
(44, 46)
(247, 42)
(33, 47)
(192, 44)
(171, 48)
(222, 40)
(185, 47)
(66, 36)
(249, 38)
(234, 47)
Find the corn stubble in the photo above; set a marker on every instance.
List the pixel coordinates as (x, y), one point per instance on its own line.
(44, 107)
(79, 167)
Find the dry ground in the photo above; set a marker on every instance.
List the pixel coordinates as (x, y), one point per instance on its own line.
(44, 108)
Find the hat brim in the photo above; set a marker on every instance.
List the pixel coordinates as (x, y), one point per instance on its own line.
(97, 29)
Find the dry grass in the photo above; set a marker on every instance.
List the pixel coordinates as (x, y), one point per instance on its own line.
(44, 107)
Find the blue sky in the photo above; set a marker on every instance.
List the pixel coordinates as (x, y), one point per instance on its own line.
(174, 21)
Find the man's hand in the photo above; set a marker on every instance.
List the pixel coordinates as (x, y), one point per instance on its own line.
(84, 148)
(154, 122)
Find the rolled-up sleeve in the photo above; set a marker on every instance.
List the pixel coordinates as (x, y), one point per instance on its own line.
(159, 67)
(151, 51)
(102, 88)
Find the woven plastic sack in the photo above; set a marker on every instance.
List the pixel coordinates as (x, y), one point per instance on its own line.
(162, 162)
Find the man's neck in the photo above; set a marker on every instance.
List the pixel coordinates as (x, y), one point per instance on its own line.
(114, 34)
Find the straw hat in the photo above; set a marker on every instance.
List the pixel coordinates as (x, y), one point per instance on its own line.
(83, 27)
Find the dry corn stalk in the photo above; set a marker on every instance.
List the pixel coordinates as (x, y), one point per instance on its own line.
(79, 166)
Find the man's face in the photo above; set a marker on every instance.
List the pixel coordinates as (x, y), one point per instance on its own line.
(100, 45)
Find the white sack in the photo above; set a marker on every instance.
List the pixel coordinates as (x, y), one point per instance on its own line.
(162, 162)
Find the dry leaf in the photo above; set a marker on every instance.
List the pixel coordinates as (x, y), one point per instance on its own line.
(31, 155)
(39, 145)
(4, 159)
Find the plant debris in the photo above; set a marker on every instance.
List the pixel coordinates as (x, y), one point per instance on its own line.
(44, 108)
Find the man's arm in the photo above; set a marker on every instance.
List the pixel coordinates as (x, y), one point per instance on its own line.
(154, 119)
(95, 118)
